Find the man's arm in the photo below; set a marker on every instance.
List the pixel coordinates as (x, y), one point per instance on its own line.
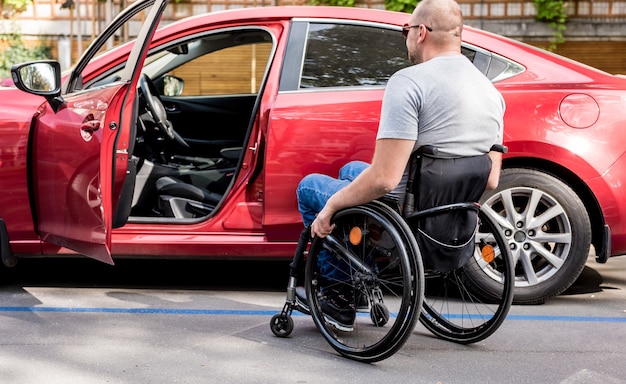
(382, 176)
(494, 175)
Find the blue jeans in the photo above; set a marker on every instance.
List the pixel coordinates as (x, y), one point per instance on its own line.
(313, 192)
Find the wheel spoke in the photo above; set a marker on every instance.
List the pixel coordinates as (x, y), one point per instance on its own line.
(550, 257)
(529, 270)
(502, 221)
(545, 217)
(509, 208)
(531, 206)
(549, 237)
(516, 254)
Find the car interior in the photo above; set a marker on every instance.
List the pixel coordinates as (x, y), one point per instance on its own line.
(197, 102)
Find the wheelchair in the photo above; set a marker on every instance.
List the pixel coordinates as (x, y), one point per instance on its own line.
(458, 280)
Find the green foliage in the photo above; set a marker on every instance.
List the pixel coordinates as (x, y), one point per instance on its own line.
(17, 52)
(392, 5)
(10, 7)
(552, 12)
(401, 5)
(335, 3)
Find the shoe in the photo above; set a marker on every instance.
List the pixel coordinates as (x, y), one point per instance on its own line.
(362, 302)
(301, 300)
(338, 308)
(301, 294)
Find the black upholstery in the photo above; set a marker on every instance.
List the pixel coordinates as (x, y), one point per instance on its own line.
(171, 186)
(185, 200)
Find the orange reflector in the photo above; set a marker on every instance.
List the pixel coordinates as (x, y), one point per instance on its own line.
(488, 253)
(356, 235)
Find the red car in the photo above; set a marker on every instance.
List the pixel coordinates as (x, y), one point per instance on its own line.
(191, 141)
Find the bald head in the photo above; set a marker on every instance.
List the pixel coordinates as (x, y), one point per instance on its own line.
(443, 16)
(434, 29)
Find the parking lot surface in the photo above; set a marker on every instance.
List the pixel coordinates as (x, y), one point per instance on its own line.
(76, 321)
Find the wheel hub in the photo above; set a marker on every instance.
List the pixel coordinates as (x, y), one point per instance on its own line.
(519, 236)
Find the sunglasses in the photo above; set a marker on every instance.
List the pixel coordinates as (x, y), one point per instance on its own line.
(406, 28)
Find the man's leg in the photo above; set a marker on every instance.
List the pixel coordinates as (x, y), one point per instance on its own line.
(313, 192)
(351, 170)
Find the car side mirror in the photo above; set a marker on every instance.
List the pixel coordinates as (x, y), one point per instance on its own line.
(172, 85)
(41, 78)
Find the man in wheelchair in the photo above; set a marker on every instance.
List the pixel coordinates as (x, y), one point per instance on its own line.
(442, 101)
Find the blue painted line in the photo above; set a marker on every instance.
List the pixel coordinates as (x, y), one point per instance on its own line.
(595, 319)
(250, 312)
(591, 319)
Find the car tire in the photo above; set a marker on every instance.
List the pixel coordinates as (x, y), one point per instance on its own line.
(547, 228)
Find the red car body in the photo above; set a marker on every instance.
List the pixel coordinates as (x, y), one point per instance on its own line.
(563, 120)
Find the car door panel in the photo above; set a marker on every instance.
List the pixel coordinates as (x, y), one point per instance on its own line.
(80, 153)
(209, 124)
(340, 130)
(66, 170)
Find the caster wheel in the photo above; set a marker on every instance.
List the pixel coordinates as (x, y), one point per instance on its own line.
(379, 314)
(281, 325)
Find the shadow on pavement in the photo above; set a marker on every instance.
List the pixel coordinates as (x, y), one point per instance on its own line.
(589, 281)
(182, 274)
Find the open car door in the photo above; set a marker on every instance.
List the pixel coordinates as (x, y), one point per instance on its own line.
(82, 139)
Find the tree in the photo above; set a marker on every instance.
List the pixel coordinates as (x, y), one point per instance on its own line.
(11, 7)
(14, 50)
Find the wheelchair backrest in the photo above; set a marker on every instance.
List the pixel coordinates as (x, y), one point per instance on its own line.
(445, 236)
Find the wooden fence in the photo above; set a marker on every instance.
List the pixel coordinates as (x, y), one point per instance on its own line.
(472, 9)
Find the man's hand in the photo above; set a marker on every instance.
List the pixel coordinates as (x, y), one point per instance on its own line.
(321, 226)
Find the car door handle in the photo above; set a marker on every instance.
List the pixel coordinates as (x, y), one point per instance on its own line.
(171, 107)
(90, 125)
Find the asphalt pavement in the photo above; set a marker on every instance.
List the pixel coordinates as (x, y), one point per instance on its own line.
(77, 321)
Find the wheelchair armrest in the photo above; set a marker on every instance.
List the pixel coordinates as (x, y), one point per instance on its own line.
(433, 151)
(427, 150)
(499, 148)
(441, 209)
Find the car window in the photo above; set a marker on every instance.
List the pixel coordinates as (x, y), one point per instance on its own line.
(127, 23)
(228, 62)
(232, 70)
(496, 68)
(343, 55)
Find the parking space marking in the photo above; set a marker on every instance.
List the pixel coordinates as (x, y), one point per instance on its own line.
(244, 312)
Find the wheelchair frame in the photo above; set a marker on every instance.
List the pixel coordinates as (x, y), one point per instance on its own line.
(383, 266)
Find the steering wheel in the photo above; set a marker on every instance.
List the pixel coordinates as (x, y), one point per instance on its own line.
(157, 110)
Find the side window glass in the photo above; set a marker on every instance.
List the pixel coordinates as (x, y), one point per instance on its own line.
(233, 70)
(123, 29)
(495, 67)
(341, 55)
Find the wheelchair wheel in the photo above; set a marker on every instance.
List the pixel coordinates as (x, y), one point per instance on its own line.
(367, 309)
(469, 304)
(281, 325)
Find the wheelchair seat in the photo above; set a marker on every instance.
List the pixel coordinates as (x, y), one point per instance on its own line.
(440, 190)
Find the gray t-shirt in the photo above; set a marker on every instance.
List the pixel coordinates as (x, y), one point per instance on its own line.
(446, 102)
